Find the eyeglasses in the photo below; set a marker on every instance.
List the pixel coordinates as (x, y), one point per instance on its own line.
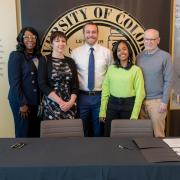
(148, 39)
(33, 37)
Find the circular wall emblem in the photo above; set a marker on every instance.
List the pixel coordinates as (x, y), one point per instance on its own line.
(113, 23)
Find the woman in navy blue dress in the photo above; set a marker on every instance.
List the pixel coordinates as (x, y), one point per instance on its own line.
(24, 94)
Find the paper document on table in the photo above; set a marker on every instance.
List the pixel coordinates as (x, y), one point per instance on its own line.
(176, 150)
(172, 142)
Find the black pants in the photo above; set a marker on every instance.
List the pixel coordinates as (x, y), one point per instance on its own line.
(117, 108)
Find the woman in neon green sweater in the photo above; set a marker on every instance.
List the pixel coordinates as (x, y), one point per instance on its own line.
(123, 88)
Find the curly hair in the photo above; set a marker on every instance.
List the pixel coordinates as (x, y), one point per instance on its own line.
(20, 41)
(116, 59)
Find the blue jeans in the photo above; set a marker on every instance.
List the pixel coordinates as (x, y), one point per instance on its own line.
(88, 111)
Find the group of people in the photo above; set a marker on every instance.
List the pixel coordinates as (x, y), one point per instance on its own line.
(93, 84)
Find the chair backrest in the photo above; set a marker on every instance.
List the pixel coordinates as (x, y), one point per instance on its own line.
(62, 128)
(131, 128)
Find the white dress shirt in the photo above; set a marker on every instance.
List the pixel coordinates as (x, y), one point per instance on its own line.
(103, 59)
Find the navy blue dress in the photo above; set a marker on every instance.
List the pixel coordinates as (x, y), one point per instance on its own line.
(24, 90)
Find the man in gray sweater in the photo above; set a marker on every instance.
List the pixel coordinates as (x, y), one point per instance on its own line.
(157, 70)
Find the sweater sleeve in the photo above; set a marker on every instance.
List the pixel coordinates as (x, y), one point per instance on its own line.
(15, 76)
(167, 74)
(43, 76)
(140, 93)
(105, 95)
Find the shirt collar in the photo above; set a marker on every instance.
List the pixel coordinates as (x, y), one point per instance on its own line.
(87, 46)
(152, 52)
(129, 65)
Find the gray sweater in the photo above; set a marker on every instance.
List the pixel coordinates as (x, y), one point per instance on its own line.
(157, 71)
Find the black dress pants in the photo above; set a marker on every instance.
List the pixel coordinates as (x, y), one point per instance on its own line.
(117, 108)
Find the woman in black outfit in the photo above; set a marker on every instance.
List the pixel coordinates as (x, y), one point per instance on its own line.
(57, 78)
(24, 94)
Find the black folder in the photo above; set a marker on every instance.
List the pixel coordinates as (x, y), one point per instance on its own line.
(155, 150)
(148, 142)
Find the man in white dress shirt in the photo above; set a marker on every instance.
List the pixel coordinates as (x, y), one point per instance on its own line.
(89, 98)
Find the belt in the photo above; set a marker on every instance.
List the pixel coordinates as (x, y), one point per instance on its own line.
(122, 99)
(90, 93)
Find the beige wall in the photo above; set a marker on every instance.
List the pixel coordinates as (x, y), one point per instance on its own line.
(8, 33)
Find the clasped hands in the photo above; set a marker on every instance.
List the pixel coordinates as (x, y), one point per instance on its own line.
(65, 106)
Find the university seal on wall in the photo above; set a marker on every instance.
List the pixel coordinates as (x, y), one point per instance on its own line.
(113, 23)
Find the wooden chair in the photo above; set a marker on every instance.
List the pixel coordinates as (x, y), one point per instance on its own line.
(131, 128)
(62, 128)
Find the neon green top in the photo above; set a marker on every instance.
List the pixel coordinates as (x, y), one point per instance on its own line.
(123, 83)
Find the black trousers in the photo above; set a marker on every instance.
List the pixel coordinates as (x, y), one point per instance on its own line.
(117, 108)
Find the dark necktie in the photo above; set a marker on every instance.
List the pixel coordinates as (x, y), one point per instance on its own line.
(91, 70)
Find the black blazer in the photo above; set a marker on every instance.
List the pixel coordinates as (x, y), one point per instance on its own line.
(22, 76)
(44, 75)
